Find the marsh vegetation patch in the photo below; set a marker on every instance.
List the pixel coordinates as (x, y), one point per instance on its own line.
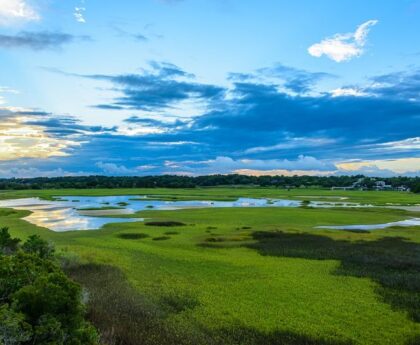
(132, 236)
(169, 223)
(392, 262)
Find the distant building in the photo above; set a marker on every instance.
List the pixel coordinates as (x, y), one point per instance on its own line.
(381, 185)
(355, 185)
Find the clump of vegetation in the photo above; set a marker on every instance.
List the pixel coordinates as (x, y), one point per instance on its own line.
(161, 238)
(305, 203)
(150, 206)
(171, 233)
(39, 304)
(123, 204)
(131, 319)
(165, 223)
(133, 236)
(179, 302)
(215, 239)
(358, 231)
(8, 245)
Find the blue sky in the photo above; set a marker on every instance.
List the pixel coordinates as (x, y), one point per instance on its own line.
(209, 86)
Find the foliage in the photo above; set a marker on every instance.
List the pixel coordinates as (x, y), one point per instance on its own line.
(39, 304)
(7, 243)
(172, 181)
(36, 245)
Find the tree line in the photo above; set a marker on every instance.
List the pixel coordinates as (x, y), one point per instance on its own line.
(174, 181)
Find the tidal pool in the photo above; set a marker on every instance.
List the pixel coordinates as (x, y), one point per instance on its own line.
(88, 213)
(91, 213)
(403, 223)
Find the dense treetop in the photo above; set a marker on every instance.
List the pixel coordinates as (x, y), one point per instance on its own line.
(173, 181)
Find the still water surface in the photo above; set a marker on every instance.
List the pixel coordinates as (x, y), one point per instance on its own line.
(87, 213)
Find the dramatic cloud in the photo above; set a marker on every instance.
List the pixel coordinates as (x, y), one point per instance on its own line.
(21, 140)
(16, 10)
(164, 86)
(37, 40)
(254, 126)
(343, 47)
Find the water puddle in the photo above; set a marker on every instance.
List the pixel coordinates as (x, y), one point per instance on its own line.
(402, 223)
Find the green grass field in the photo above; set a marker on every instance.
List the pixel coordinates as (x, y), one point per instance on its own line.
(246, 276)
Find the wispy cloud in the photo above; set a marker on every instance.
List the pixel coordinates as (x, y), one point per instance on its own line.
(343, 47)
(15, 11)
(38, 40)
(79, 13)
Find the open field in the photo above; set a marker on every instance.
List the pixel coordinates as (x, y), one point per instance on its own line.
(245, 276)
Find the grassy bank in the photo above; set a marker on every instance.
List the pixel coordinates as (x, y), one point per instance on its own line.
(372, 197)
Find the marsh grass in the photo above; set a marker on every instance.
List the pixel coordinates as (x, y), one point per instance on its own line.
(132, 236)
(161, 238)
(125, 317)
(164, 223)
(171, 233)
(394, 263)
(122, 315)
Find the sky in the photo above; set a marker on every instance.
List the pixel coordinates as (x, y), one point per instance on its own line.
(194, 87)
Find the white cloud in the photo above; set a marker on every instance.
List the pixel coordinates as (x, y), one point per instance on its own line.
(291, 143)
(21, 140)
(15, 11)
(79, 14)
(28, 172)
(343, 47)
(225, 165)
(112, 168)
(347, 91)
(404, 166)
(282, 172)
(409, 144)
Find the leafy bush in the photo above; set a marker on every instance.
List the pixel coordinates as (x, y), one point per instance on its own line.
(39, 304)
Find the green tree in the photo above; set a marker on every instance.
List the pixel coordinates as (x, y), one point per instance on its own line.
(13, 328)
(8, 245)
(36, 245)
(39, 304)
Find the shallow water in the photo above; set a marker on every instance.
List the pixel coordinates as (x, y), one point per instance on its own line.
(403, 223)
(75, 212)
